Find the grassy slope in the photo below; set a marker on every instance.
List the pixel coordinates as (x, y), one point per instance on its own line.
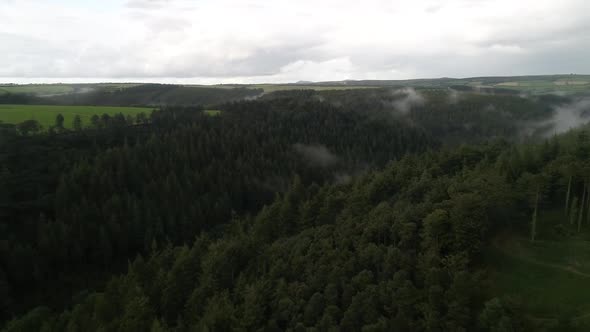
(279, 87)
(544, 84)
(268, 88)
(37, 89)
(529, 84)
(59, 88)
(212, 112)
(549, 277)
(46, 114)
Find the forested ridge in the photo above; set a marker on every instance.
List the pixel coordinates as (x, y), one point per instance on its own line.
(157, 95)
(451, 116)
(164, 180)
(302, 210)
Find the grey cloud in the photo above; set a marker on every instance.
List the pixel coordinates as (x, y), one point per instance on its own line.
(570, 59)
(269, 61)
(162, 38)
(30, 57)
(23, 55)
(146, 4)
(261, 62)
(165, 24)
(539, 39)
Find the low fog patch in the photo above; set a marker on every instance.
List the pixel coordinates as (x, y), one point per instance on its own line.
(525, 95)
(565, 117)
(406, 99)
(342, 178)
(316, 155)
(571, 115)
(490, 108)
(346, 177)
(454, 96)
(319, 98)
(254, 97)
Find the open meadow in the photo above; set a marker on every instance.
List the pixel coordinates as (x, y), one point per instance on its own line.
(45, 114)
(547, 277)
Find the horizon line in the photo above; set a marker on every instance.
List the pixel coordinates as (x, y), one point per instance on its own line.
(299, 82)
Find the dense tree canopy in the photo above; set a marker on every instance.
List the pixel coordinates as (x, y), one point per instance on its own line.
(98, 196)
(300, 210)
(397, 249)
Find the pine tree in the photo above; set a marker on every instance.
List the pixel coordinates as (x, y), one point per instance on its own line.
(567, 195)
(534, 218)
(582, 205)
(59, 122)
(574, 210)
(77, 123)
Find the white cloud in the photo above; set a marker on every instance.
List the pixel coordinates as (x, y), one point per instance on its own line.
(281, 40)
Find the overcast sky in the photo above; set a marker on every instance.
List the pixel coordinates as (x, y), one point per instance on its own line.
(247, 41)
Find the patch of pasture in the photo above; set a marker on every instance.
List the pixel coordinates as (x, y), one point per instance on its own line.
(212, 112)
(547, 277)
(268, 88)
(37, 89)
(46, 114)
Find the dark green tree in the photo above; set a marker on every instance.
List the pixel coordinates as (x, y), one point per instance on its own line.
(59, 122)
(28, 127)
(77, 123)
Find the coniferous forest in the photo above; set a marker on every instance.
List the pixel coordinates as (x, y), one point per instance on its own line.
(427, 209)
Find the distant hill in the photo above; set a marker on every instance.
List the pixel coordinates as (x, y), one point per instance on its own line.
(535, 84)
(156, 95)
(140, 94)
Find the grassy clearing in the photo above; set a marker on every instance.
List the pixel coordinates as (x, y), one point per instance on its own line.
(549, 277)
(545, 86)
(272, 87)
(268, 88)
(42, 90)
(509, 84)
(46, 114)
(212, 112)
(547, 293)
(217, 86)
(114, 86)
(570, 82)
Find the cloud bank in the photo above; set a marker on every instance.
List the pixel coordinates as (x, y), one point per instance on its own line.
(248, 41)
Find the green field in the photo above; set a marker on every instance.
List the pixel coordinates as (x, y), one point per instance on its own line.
(532, 84)
(44, 90)
(546, 86)
(548, 277)
(113, 86)
(278, 87)
(268, 88)
(46, 114)
(212, 112)
(37, 89)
